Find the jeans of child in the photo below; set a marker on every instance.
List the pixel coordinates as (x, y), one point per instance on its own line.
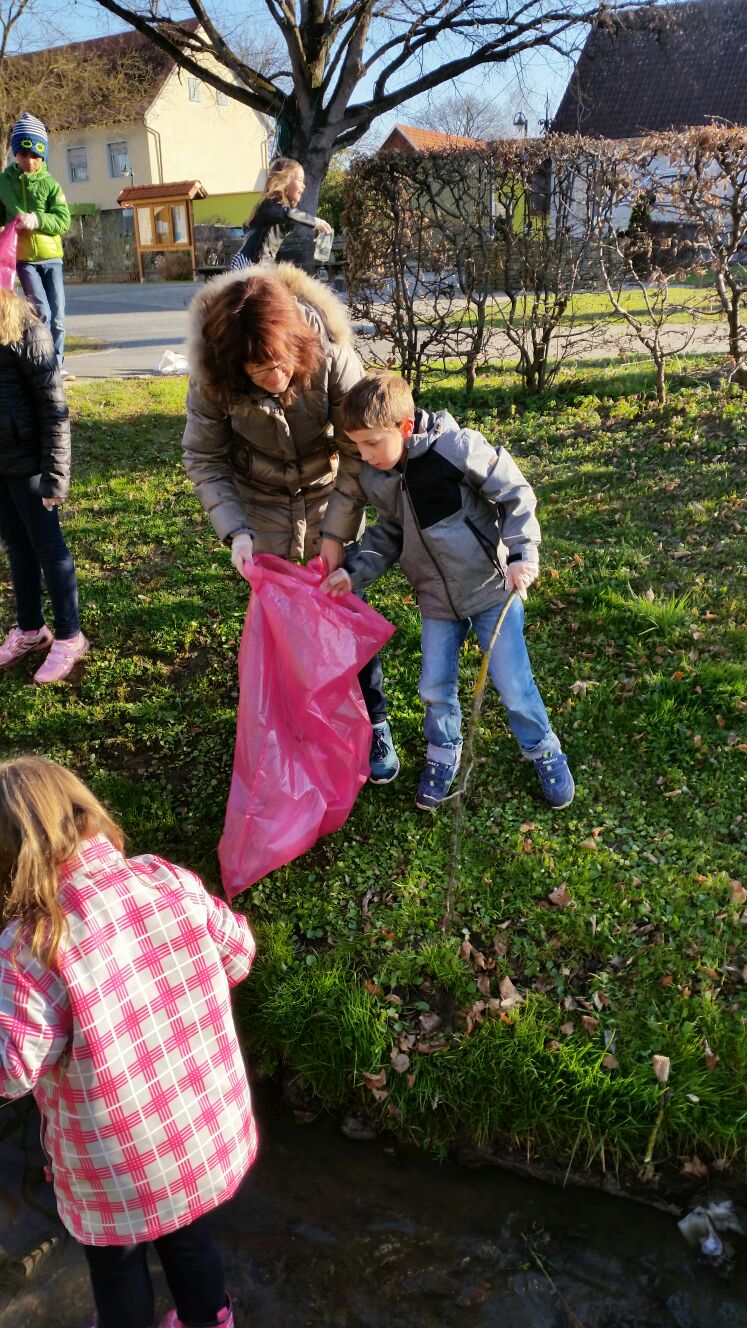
(510, 673)
(35, 544)
(371, 679)
(43, 287)
(191, 1261)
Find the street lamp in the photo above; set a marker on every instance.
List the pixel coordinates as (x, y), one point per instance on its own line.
(521, 122)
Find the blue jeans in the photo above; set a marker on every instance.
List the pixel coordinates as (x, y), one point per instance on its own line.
(510, 673)
(43, 288)
(35, 544)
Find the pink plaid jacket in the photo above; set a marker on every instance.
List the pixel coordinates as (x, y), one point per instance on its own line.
(130, 1048)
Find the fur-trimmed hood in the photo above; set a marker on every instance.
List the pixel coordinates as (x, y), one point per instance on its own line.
(330, 310)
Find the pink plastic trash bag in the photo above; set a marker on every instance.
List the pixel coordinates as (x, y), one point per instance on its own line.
(8, 250)
(302, 735)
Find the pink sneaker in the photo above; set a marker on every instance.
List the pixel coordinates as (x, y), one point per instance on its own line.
(17, 644)
(224, 1319)
(62, 659)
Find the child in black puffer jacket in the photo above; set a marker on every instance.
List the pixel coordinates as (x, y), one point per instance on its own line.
(34, 480)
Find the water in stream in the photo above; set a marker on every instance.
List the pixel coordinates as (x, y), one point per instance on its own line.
(337, 1234)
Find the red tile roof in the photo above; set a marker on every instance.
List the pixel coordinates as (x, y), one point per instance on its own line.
(140, 193)
(428, 140)
(670, 68)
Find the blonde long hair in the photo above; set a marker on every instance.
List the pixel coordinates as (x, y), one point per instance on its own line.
(15, 316)
(280, 172)
(45, 814)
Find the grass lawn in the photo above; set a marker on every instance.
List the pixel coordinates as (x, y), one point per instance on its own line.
(621, 921)
(77, 345)
(594, 306)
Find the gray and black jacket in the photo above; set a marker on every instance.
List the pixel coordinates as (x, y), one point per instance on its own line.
(453, 515)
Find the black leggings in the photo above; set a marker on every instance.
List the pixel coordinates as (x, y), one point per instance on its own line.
(122, 1287)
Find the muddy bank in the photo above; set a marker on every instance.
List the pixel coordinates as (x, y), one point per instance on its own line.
(364, 1235)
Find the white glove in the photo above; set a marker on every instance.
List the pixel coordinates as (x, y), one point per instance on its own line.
(29, 221)
(242, 547)
(519, 577)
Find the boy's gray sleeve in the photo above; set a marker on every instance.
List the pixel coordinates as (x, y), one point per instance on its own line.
(497, 478)
(379, 550)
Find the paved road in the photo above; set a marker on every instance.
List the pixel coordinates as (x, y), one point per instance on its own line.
(137, 323)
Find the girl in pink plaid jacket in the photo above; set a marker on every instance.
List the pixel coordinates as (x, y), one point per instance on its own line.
(115, 1013)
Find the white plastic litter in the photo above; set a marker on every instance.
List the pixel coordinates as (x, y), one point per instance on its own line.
(173, 362)
(701, 1227)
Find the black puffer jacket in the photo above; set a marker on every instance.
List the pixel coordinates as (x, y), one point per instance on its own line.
(34, 421)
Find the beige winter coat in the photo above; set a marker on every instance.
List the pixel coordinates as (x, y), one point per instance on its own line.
(285, 473)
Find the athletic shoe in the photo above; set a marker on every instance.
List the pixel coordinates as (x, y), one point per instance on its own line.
(556, 779)
(62, 659)
(224, 1319)
(435, 782)
(383, 759)
(17, 644)
(67, 377)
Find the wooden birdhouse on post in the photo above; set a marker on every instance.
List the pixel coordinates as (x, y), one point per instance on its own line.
(163, 217)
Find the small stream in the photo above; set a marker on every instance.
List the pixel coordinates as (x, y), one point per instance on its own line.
(332, 1233)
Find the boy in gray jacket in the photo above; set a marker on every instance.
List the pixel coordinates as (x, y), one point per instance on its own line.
(459, 518)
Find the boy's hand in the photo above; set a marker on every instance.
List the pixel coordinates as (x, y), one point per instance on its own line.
(28, 221)
(519, 577)
(337, 583)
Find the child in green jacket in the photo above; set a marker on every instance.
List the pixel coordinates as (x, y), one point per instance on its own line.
(30, 193)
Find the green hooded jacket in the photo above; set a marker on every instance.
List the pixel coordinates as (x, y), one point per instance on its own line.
(39, 193)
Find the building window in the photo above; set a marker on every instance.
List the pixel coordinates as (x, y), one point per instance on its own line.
(77, 164)
(220, 98)
(119, 159)
(194, 89)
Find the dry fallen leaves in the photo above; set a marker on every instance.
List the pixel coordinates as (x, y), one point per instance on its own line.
(609, 1061)
(509, 995)
(693, 1166)
(400, 1061)
(738, 892)
(561, 896)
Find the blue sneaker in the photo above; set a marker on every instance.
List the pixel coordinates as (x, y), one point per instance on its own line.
(435, 782)
(383, 759)
(556, 779)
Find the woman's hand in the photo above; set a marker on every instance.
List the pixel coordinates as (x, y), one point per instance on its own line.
(332, 553)
(49, 503)
(323, 226)
(242, 548)
(338, 583)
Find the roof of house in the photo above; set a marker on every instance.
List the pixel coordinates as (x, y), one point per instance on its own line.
(658, 69)
(141, 193)
(153, 66)
(427, 140)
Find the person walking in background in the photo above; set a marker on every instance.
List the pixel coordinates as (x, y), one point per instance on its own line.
(276, 214)
(115, 1013)
(34, 480)
(30, 193)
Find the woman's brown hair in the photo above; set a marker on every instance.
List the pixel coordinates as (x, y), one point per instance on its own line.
(45, 814)
(256, 320)
(15, 316)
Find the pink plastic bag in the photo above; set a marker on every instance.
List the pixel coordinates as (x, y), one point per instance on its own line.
(302, 735)
(8, 250)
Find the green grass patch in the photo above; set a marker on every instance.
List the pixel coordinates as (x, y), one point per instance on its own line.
(637, 637)
(79, 345)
